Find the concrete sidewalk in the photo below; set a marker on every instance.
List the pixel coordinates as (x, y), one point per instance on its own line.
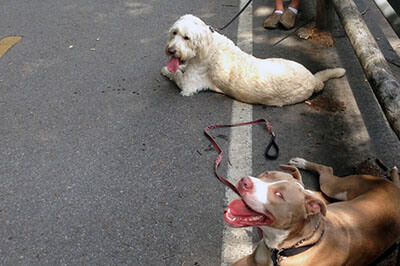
(344, 125)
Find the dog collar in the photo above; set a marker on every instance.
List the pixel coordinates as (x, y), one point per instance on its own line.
(279, 255)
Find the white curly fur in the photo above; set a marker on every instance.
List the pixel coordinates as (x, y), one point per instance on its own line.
(210, 60)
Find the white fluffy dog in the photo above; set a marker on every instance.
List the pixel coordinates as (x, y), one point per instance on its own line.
(201, 59)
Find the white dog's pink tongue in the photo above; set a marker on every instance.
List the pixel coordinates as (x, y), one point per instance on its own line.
(173, 64)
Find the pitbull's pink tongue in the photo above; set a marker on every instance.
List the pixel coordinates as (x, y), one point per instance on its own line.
(239, 208)
(173, 64)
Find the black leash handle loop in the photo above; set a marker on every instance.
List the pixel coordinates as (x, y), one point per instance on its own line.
(272, 144)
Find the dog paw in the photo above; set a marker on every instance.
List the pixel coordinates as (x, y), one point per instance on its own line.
(298, 162)
(394, 171)
(187, 93)
(165, 72)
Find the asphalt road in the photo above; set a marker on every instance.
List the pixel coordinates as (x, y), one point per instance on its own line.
(103, 162)
(99, 153)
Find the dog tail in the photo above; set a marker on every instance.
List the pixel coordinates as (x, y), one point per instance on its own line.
(327, 74)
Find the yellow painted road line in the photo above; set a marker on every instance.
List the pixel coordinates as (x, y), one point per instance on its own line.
(7, 43)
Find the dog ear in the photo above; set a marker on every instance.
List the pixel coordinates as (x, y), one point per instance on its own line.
(294, 171)
(203, 40)
(314, 205)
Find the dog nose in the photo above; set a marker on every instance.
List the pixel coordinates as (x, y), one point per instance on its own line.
(171, 51)
(245, 183)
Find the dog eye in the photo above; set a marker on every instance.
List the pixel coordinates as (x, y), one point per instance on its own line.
(186, 38)
(278, 194)
(174, 33)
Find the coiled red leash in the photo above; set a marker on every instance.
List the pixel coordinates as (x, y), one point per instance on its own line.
(272, 144)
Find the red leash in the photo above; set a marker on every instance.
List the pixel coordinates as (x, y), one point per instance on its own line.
(272, 144)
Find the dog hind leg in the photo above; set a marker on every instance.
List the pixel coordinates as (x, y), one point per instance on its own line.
(328, 182)
(217, 90)
(340, 188)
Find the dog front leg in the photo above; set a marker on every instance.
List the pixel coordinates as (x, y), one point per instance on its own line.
(188, 82)
(261, 256)
(184, 83)
(191, 84)
(176, 77)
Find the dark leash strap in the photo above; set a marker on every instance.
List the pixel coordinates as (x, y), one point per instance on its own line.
(236, 16)
(271, 145)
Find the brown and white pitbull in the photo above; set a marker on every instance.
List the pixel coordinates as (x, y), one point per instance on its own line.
(301, 228)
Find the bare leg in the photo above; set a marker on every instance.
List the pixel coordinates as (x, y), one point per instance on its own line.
(279, 4)
(295, 4)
